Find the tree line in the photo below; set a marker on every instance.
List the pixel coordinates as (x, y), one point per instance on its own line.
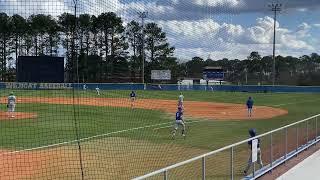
(256, 69)
(104, 49)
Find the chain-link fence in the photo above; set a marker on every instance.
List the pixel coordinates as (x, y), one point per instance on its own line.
(234, 161)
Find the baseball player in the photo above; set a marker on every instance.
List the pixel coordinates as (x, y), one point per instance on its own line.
(84, 87)
(98, 90)
(249, 106)
(253, 133)
(180, 101)
(11, 104)
(132, 98)
(179, 122)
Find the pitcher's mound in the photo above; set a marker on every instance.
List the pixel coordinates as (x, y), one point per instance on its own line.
(17, 115)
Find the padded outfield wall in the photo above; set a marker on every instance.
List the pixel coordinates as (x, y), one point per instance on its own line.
(116, 86)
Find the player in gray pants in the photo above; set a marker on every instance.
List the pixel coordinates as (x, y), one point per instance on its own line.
(11, 105)
(253, 133)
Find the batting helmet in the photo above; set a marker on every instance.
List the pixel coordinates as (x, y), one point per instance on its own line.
(11, 93)
(252, 132)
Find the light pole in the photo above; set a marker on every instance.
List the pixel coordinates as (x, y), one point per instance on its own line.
(275, 7)
(142, 15)
(74, 42)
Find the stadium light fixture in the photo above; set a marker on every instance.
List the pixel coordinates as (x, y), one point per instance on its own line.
(143, 16)
(275, 7)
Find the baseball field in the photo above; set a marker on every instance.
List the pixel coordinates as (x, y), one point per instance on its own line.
(118, 142)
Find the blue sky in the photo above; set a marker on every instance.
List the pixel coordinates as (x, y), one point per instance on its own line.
(207, 28)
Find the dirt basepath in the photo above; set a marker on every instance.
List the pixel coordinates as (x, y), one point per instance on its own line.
(56, 163)
(208, 110)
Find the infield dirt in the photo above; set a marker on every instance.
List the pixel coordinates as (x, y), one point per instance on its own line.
(196, 109)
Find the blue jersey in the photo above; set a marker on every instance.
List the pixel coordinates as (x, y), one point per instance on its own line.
(250, 103)
(132, 94)
(179, 115)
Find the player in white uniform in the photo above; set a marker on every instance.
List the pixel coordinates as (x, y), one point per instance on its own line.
(98, 90)
(180, 101)
(11, 104)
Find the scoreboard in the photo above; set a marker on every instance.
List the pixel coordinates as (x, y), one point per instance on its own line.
(213, 73)
(40, 69)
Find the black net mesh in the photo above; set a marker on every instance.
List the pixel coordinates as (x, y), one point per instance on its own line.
(90, 89)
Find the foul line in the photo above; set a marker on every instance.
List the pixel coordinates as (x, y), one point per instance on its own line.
(171, 125)
(82, 139)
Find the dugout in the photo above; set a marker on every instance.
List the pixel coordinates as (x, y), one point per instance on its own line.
(40, 69)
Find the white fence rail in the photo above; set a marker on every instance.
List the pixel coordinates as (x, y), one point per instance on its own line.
(301, 140)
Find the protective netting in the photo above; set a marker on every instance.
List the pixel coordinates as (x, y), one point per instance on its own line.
(90, 126)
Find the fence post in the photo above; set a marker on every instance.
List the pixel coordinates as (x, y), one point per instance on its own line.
(204, 168)
(271, 152)
(231, 163)
(254, 170)
(165, 175)
(316, 129)
(286, 144)
(307, 132)
(297, 132)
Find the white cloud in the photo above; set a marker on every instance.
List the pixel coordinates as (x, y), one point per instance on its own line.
(190, 26)
(204, 37)
(303, 30)
(199, 9)
(57, 7)
(304, 26)
(97, 7)
(214, 3)
(27, 8)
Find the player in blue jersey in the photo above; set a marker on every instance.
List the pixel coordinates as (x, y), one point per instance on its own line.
(132, 98)
(249, 106)
(179, 122)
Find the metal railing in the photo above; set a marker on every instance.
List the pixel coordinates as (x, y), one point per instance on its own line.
(284, 143)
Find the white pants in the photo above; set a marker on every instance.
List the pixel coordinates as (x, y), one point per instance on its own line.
(179, 123)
